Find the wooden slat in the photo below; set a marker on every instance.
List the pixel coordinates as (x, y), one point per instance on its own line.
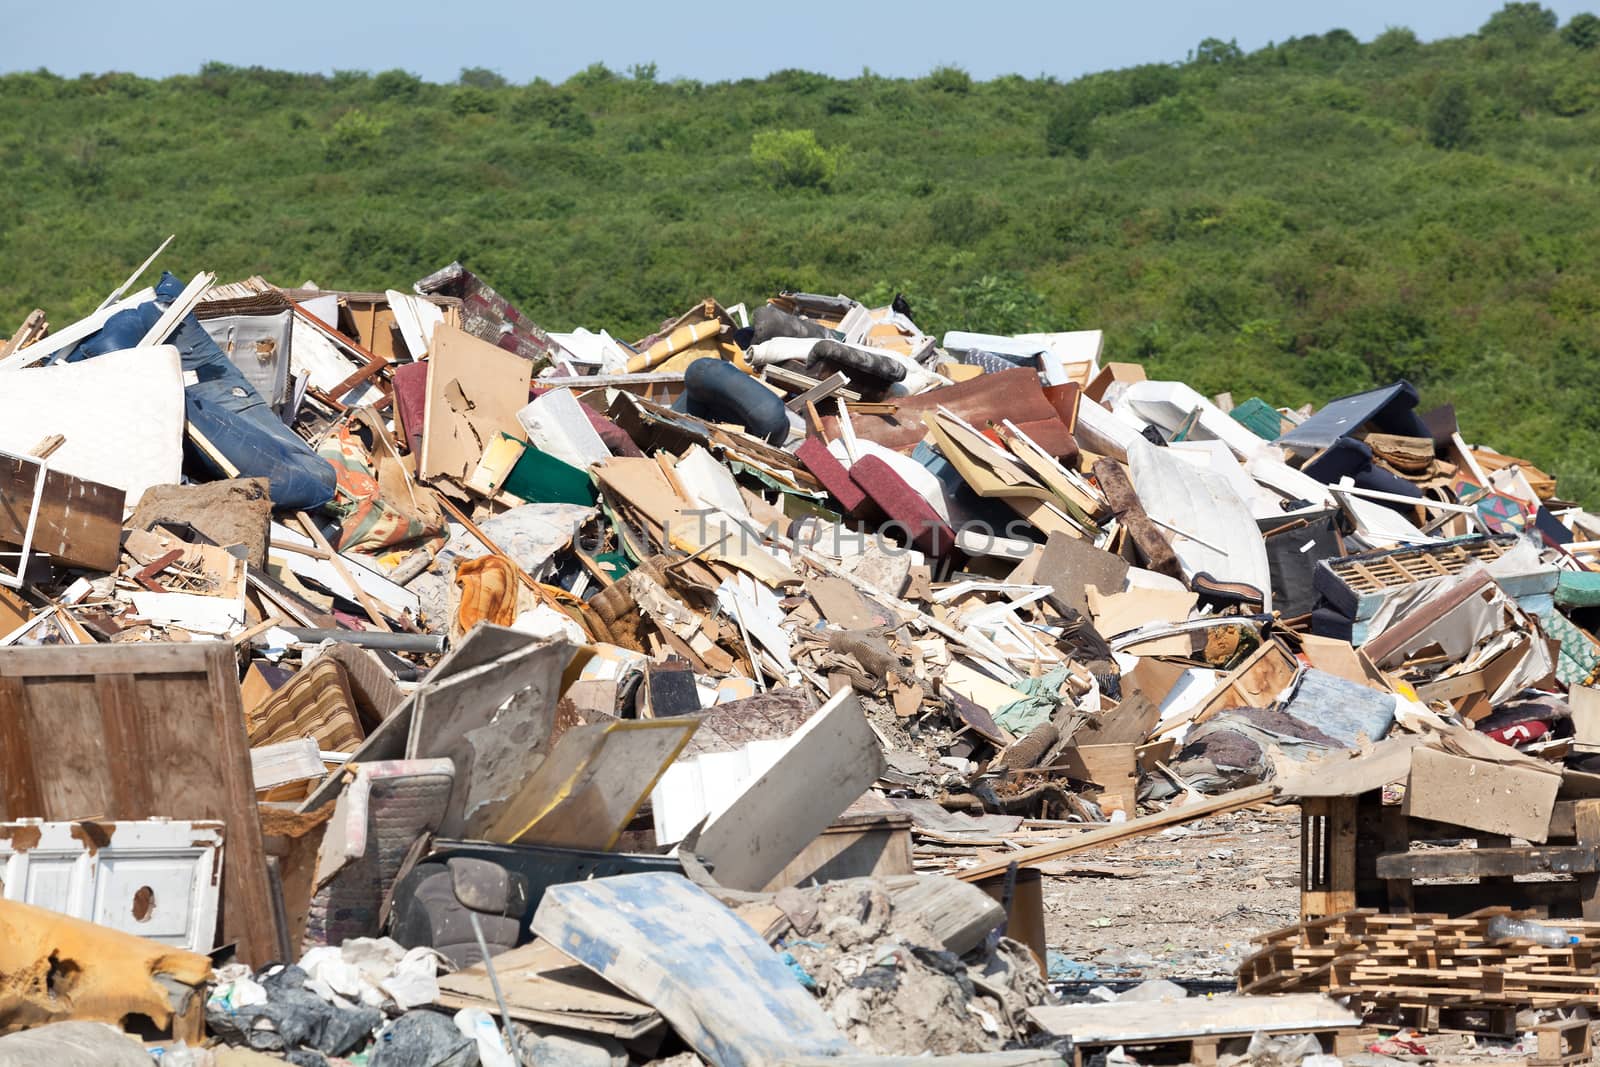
(1488, 862)
(1117, 833)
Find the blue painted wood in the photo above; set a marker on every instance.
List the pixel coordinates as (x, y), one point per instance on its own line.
(662, 939)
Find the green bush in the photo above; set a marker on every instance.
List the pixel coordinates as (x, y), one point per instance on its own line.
(793, 159)
(468, 100)
(1521, 21)
(1582, 31)
(481, 78)
(353, 134)
(396, 85)
(1067, 130)
(1573, 95)
(1394, 41)
(1450, 116)
(949, 79)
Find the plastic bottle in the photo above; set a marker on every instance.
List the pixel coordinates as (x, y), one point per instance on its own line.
(1503, 928)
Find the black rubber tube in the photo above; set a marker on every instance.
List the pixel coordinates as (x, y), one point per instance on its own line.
(722, 392)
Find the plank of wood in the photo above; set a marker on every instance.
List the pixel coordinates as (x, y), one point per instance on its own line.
(738, 1005)
(1117, 833)
(591, 785)
(834, 759)
(1488, 862)
(287, 761)
(139, 732)
(368, 605)
(1134, 1021)
(79, 521)
(1586, 823)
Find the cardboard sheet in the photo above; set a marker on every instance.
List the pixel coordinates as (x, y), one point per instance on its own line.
(474, 392)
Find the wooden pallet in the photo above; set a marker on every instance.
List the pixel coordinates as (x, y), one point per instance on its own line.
(1561, 1044)
(1357, 852)
(1500, 1022)
(1204, 1051)
(1424, 963)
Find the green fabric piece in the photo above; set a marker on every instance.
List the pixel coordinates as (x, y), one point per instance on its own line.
(1579, 654)
(540, 478)
(1259, 417)
(1578, 589)
(1021, 716)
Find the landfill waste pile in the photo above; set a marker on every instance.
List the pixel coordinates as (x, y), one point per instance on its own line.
(385, 679)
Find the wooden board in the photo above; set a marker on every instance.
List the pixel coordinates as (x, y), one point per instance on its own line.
(834, 759)
(1488, 862)
(735, 1002)
(1125, 1021)
(1116, 833)
(475, 390)
(139, 732)
(584, 794)
(79, 522)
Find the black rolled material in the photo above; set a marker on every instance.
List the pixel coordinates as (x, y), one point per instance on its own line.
(722, 392)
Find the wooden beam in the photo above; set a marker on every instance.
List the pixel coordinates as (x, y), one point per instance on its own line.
(1117, 833)
(369, 605)
(1489, 862)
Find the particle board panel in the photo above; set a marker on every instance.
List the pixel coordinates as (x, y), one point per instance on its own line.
(79, 523)
(139, 732)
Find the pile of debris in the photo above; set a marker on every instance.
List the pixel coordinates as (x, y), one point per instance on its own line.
(629, 700)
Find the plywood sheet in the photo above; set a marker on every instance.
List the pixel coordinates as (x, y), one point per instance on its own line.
(79, 521)
(138, 732)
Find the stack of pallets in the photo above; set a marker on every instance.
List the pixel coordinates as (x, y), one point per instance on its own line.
(1424, 962)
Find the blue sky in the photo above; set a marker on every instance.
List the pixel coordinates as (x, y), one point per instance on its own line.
(711, 40)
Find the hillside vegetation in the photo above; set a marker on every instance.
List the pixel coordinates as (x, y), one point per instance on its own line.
(1298, 222)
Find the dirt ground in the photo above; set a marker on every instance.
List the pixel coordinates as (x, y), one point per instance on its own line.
(1182, 903)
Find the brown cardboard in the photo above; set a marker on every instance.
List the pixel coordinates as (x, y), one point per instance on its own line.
(1585, 703)
(1495, 798)
(1111, 767)
(474, 392)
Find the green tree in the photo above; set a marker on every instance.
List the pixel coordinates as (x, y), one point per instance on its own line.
(1067, 130)
(1520, 21)
(793, 159)
(1450, 116)
(353, 134)
(1573, 95)
(1213, 51)
(481, 78)
(644, 72)
(948, 79)
(1394, 41)
(470, 100)
(1582, 31)
(396, 85)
